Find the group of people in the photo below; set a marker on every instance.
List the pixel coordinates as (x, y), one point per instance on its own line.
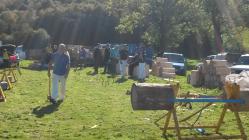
(60, 64)
(121, 57)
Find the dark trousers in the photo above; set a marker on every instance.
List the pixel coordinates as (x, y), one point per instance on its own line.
(96, 68)
(131, 68)
(106, 66)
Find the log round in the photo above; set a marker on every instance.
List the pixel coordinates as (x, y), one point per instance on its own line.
(148, 96)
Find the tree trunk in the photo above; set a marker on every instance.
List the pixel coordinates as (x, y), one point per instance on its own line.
(217, 34)
(163, 27)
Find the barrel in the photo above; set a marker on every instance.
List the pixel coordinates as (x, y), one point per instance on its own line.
(150, 96)
(4, 85)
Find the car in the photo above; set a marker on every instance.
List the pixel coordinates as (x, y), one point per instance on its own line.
(242, 65)
(19, 51)
(178, 61)
(210, 57)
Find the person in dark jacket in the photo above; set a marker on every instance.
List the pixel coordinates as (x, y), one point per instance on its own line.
(138, 58)
(97, 59)
(123, 61)
(107, 59)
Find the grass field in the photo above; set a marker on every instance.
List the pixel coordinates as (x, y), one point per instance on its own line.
(96, 107)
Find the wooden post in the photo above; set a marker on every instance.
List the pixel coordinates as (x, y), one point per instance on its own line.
(2, 96)
(12, 73)
(221, 119)
(242, 132)
(187, 118)
(2, 78)
(176, 124)
(167, 122)
(5, 76)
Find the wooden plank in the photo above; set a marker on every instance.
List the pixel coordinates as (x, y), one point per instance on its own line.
(191, 127)
(178, 133)
(198, 111)
(213, 137)
(167, 122)
(239, 123)
(2, 96)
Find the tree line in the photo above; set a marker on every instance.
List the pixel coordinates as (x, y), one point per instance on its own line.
(196, 28)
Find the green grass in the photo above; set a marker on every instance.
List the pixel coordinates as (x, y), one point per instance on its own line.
(93, 109)
(191, 64)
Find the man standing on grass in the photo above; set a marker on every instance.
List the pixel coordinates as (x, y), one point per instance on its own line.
(61, 68)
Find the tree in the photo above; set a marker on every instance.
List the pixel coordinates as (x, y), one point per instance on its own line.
(38, 39)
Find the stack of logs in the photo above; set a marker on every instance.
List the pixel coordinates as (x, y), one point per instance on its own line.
(210, 74)
(162, 68)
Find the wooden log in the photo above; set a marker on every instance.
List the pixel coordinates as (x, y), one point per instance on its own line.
(161, 60)
(168, 75)
(195, 78)
(165, 65)
(155, 69)
(168, 70)
(150, 96)
(147, 70)
(136, 71)
(118, 69)
(222, 70)
(219, 63)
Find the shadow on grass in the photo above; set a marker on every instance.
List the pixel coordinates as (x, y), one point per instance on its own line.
(112, 76)
(121, 80)
(35, 69)
(166, 137)
(91, 73)
(45, 110)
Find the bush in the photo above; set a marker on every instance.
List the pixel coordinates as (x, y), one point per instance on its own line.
(37, 40)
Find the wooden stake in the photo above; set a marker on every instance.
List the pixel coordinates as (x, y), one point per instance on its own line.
(189, 117)
(2, 96)
(167, 122)
(176, 124)
(221, 119)
(242, 132)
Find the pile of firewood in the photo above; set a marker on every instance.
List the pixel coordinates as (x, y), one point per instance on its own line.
(162, 68)
(210, 74)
